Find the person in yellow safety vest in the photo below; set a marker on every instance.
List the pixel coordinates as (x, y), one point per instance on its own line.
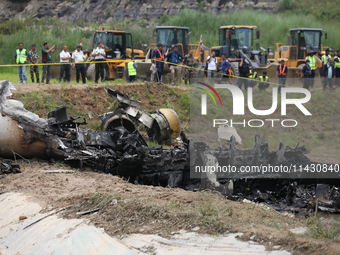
(263, 85)
(22, 57)
(312, 64)
(337, 68)
(132, 70)
(325, 57)
(252, 75)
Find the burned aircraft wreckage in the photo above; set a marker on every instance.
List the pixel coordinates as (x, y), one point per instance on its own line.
(120, 149)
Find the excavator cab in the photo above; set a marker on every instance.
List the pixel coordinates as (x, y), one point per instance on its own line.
(170, 36)
(306, 40)
(115, 43)
(233, 39)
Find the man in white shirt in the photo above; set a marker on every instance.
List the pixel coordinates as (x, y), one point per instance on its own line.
(65, 68)
(212, 66)
(99, 55)
(78, 57)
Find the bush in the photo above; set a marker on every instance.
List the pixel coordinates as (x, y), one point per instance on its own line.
(286, 5)
(185, 101)
(164, 19)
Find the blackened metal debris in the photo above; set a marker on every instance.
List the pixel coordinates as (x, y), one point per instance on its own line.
(8, 167)
(121, 150)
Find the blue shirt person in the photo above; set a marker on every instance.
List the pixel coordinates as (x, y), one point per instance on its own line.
(226, 68)
(174, 58)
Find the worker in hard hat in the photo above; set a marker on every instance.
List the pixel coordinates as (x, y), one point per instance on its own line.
(325, 57)
(264, 81)
(307, 74)
(252, 76)
(328, 74)
(312, 64)
(132, 70)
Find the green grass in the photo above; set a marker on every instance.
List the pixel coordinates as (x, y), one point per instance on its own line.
(323, 231)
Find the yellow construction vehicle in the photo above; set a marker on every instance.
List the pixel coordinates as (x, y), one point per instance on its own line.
(170, 36)
(119, 49)
(301, 41)
(236, 41)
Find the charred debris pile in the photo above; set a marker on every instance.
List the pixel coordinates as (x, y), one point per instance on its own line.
(120, 149)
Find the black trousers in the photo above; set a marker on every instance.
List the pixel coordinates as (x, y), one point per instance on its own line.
(80, 69)
(307, 81)
(337, 75)
(312, 79)
(99, 68)
(243, 80)
(132, 78)
(263, 85)
(65, 68)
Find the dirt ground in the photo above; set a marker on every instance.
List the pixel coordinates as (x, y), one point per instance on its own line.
(123, 208)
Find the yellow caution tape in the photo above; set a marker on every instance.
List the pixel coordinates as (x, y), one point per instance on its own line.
(218, 73)
(120, 61)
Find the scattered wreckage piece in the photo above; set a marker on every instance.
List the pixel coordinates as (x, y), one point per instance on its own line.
(162, 124)
(22, 131)
(293, 194)
(8, 167)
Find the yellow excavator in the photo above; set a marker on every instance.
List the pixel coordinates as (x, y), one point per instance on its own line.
(170, 36)
(238, 40)
(119, 49)
(301, 42)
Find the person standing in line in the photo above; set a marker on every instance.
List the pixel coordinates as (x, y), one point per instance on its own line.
(34, 69)
(78, 57)
(132, 70)
(253, 76)
(159, 59)
(337, 68)
(325, 57)
(189, 63)
(281, 74)
(175, 58)
(243, 68)
(21, 57)
(312, 64)
(226, 68)
(212, 66)
(65, 57)
(328, 74)
(99, 55)
(153, 67)
(307, 74)
(46, 58)
(264, 81)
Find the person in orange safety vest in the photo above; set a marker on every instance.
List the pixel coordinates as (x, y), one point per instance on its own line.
(281, 74)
